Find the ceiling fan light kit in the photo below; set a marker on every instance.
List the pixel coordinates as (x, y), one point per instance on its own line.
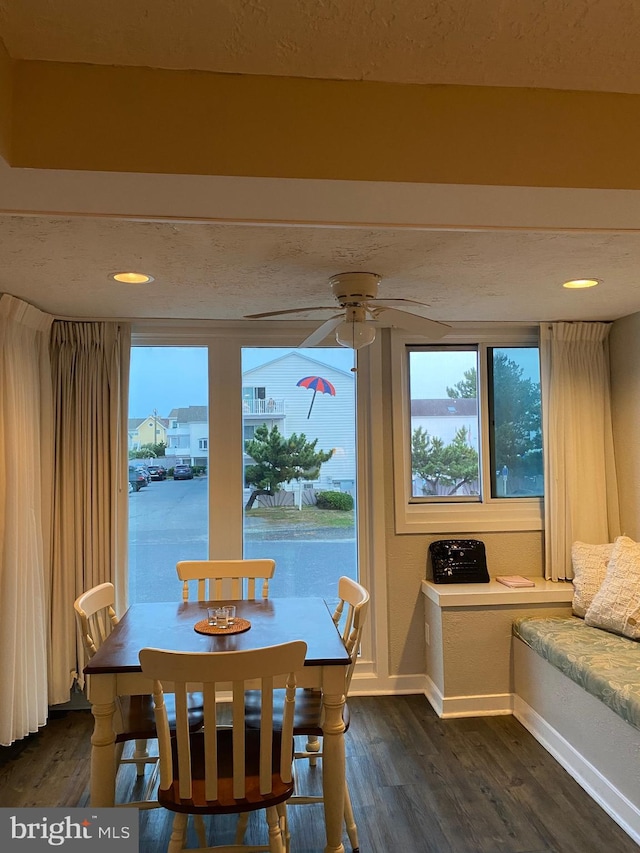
(354, 331)
(361, 312)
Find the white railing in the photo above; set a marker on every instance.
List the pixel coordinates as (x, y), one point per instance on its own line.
(263, 407)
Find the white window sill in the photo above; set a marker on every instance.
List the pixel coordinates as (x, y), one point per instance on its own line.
(496, 594)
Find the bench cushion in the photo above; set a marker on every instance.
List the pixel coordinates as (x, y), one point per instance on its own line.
(603, 664)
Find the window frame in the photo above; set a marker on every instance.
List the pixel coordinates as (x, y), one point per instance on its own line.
(489, 514)
(225, 341)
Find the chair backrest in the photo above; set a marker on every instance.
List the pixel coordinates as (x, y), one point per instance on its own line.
(95, 615)
(350, 620)
(213, 672)
(219, 579)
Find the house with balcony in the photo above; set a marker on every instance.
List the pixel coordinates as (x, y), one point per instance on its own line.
(188, 436)
(272, 396)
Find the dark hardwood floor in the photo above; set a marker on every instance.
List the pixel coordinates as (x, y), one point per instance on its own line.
(418, 783)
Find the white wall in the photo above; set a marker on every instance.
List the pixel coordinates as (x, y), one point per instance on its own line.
(625, 406)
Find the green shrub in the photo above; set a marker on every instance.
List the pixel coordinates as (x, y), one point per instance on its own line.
(334, 500)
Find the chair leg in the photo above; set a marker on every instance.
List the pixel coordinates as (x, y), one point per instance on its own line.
(141, 753)
(284, 825)
(352, 829)
(241, 826)
(178, 833)
(312, 745)
(276, 842)
(201, 831)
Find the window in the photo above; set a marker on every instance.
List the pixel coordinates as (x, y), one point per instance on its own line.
(515, 423)
(468, 435)
(168, 517)
(218, 506)
(299, 434)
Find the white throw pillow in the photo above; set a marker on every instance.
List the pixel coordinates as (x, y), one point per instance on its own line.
(616, 605)
(589, 564)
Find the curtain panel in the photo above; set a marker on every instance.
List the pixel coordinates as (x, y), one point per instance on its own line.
(90, 364)
(581, 494)
(25, 514)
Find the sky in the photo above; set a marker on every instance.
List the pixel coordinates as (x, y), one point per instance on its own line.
(442, 373)
(164, 378)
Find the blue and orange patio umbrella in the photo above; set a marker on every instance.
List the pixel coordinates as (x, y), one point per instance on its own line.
(318, 384)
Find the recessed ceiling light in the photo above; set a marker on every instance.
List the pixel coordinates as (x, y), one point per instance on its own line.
(580, 283)
(131, 277)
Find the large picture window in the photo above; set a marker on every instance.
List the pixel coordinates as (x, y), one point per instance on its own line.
(270, 455)
(467, 435)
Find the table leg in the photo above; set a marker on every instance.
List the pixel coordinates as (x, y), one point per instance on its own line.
(103, 762)
(333, 770)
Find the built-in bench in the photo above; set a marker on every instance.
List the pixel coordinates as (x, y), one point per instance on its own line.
(577, 690)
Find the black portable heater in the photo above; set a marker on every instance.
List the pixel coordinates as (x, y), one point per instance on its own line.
(458, 561)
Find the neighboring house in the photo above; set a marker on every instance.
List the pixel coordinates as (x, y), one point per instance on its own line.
(443, 418)
(149, 430)
(270, 395)
(188, 436)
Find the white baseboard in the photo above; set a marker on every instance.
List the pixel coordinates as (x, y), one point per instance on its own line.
(370, 684)
(484, 705)
(614, 803)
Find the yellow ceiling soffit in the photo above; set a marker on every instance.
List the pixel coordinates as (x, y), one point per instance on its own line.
(74, 116)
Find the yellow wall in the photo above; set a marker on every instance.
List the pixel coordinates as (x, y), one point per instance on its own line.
(74, 116)
(5, 103)
(151, 433)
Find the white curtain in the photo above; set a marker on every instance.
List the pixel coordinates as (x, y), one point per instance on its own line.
(25, 515)
(90, 364)
(581, 495)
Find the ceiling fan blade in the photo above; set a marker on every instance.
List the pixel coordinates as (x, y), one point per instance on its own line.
(411, 322)
(289, 311)
(394, 299)
(322, 331)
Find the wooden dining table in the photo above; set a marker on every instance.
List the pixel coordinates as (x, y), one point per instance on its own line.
(115, 671)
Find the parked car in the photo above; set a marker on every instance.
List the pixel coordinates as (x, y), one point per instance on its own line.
(183, 472)
(136, 479)
(145, 473)
(157, 472)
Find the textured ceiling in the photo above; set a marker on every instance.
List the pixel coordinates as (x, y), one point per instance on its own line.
(223, 271)
(560, 44)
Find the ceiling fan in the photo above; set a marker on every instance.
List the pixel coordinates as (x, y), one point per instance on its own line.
(361, 312)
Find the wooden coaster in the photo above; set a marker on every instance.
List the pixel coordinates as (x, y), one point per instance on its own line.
(239, 625)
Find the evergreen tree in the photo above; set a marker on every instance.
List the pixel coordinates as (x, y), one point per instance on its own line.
(279, 460)
(448, 465)
(517, 439)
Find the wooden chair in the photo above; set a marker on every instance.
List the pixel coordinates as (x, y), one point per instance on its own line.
(226, 579)
(349, 616)
(134, 718)
(225, 769)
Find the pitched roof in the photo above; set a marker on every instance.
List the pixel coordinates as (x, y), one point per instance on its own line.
(189, 414)
(314, 362)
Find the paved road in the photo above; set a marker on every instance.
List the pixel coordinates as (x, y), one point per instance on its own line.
(168, 522)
